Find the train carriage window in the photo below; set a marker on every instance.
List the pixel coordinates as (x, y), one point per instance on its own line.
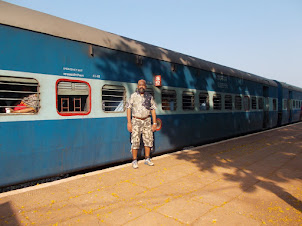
(188, 100)
(260, 103)
(246, 103)
(274, 104)
(217, 102)
(294, 104)
(150, 91)
(73, 97)
(168, 99)
(19, 95)
(113, 98)
(284, 104)
(204, 101)
(238, 102)
(254, 103)
(228, 102)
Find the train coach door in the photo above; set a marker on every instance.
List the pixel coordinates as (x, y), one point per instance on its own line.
(265, 107)
(289, 106)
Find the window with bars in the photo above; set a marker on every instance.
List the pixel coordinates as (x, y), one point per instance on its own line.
(294, 104)
(188, 100)
(150, 91)
(73, 97)
(228, 102)
(260, 103)
(217, 102)
(246, 103)
(254, 103)
(238, 102)
(168, 99)
(204, 101)
(113, 98)
(19, 95)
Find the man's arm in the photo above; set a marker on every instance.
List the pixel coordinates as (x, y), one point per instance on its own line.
(154, 120)
(129, 125)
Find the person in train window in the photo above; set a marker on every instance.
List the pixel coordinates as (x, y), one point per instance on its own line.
(28, 104)
(141, 104)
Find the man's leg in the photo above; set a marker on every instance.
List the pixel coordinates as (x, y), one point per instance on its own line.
(147, 152)
(135, 141)
(148, 141)
(134, 154)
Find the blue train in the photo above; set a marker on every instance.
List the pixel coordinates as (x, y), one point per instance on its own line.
(81, 78)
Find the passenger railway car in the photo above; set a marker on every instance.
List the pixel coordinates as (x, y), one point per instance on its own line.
(82, 77)
(289, 107)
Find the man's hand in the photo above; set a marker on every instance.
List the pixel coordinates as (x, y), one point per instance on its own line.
(129, 127)
(154, 127)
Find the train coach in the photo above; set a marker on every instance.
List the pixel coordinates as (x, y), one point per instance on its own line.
(81, 78)
(290, 105)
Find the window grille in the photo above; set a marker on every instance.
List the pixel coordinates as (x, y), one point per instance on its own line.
(228, 101)
(238, 102)
(169, 101)
(188, 100)
(254, 103)
(246, 103)
(113, 98)
(73, 97)
(260, 103)
(217, 102)
(204, 101)
(14, 90)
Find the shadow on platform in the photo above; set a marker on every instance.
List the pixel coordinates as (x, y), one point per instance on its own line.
(7, 215)
(256, 163)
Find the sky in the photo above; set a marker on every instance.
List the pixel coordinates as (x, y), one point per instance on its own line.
(263, 37)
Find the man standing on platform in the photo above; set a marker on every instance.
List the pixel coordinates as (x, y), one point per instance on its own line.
(141, 104)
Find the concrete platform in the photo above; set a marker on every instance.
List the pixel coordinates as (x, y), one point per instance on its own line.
(251, 180)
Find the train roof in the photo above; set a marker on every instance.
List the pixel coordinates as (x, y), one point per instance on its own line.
(28, 19)
(290, 87)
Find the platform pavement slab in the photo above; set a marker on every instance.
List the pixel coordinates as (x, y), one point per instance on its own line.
(250, 180)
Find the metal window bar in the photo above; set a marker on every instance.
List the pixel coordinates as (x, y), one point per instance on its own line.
(188, 101)
(238, 102)
(169, 100)
(217, 102)
(12, 92)
(113, 98)
(204, 101)
(254, 103)
(19, 84)
(228, 102)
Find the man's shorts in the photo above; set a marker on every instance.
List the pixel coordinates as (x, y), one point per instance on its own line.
(141, 127)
